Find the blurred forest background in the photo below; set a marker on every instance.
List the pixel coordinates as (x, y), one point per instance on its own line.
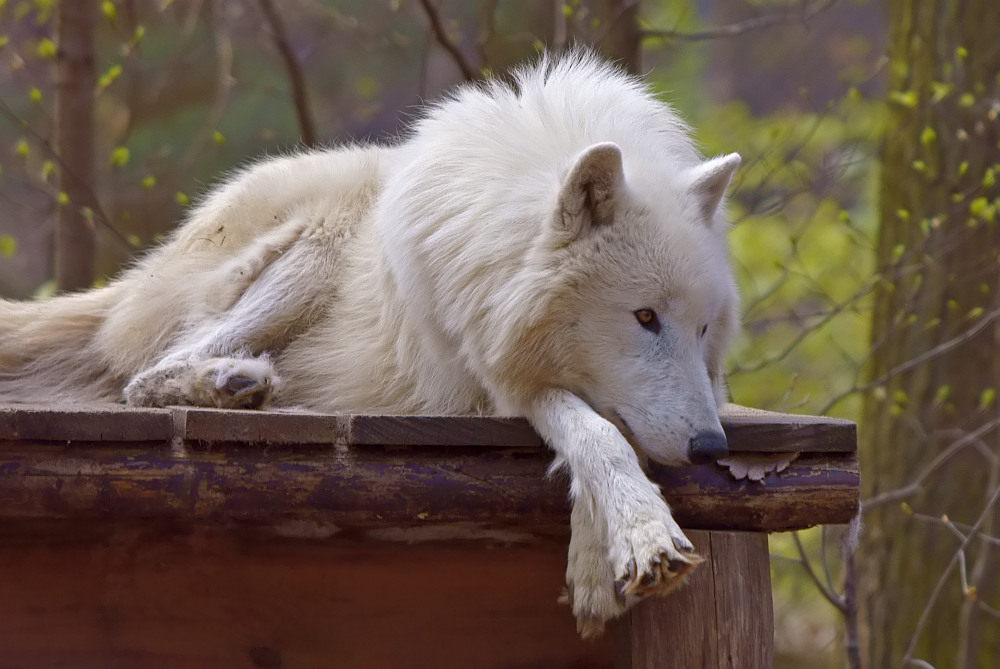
(864, 220)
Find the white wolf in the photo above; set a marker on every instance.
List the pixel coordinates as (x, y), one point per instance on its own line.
(551, 247)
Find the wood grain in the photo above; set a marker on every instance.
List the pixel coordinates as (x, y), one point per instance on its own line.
(361, 489)
(722, 618)
(748, 430)
(165, 596)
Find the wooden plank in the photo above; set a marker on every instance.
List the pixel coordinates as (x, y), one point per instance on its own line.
(748, 430)
(754, 430)
(255, 427)
(442, 431)
(372, 487)
(100, 422)
(161, 596)
(722, 618)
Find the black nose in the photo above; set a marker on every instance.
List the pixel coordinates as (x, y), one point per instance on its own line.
(707, 447)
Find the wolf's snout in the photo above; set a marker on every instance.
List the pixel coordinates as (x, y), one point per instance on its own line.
(707, 446)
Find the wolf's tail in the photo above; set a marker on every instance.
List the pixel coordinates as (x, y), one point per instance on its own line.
(49, 349)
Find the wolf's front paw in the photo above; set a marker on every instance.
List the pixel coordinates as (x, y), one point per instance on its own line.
(590, 583)
(650, 554)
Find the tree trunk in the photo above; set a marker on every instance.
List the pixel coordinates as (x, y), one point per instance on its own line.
(938, 256)
(74, 142)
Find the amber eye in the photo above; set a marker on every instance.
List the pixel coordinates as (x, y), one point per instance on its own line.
(647, 318)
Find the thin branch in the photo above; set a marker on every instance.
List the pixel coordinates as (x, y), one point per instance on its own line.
(830, 595)
(300, 96)
(925, 614)
(469, 72)
(942, 348)
(91, 198)
(917, 483)
(801, 15)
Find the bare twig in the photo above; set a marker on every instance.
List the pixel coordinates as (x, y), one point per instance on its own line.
(830, 595)
(470, 73)
(917, 483)
(800, 15)
(296, 78)
(91, 200)
(959, 554)
(944, 347)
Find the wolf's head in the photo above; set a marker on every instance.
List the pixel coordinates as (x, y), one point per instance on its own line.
(645, 298)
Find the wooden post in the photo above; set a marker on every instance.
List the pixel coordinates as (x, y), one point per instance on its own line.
(722, 618)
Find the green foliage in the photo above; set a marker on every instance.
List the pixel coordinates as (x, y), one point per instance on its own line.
(8, 246)
(803, 243)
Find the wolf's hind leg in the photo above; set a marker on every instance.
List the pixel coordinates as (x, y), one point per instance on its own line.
(226, 383)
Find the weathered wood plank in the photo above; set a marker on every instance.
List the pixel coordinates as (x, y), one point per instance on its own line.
(99, 422)
(748, 430)
(442, 431)
(721, 619)
(371, 487)
(754, 430)
(256, 427)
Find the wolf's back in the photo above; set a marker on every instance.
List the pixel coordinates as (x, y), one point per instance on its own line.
(49, 349)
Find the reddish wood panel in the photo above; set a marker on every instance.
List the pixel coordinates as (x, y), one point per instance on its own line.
(162, 597)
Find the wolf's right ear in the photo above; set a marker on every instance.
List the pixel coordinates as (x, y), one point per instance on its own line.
(590, 191)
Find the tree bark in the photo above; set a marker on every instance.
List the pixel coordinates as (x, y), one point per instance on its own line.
(937, 253)
(74, 142)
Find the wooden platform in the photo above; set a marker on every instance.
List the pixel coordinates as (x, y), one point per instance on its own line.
(202, 538)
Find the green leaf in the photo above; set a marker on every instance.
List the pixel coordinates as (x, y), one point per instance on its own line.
(46, 48)
(35, 95)
(21, 148)
(927, 136)
(986, 398)
(905, 98)
(108, 9)
(109, 76)
(218, 138)
(182, 199)
(981, 208)
(148, 181)
(120, 156)
(8, 246)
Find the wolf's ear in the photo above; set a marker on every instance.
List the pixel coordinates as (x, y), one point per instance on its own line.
(710, 180)
(590, 191)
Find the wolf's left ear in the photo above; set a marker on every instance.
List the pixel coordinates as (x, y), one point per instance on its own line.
(590, 191)
(710, 180)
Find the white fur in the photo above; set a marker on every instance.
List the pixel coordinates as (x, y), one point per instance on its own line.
(491, 262)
